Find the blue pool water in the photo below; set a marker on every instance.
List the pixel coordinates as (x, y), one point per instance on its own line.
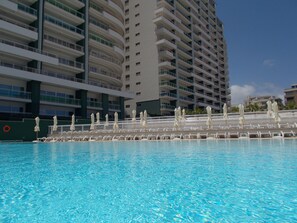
(206, 181)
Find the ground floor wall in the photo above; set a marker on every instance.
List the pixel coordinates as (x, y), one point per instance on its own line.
(23, 130)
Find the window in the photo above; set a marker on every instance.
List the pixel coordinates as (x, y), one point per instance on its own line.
(127, 58)
(127, 21)
(138, 83)
(137, 44)
(136, 15)
(127, 106)
(137, 24)
(138, 63)
(127, 67)
(137, 34)
(127, 86)
(138, 74)
(127, 77)
(138, 93)
(127, 12)
(127, 48)
(137, 54)
(127, 39)
(127, 30)
(136, 5)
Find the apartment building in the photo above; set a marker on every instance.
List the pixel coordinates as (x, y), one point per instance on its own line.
(291, 94)
(61, 57)
(261, 101)
(175, 55)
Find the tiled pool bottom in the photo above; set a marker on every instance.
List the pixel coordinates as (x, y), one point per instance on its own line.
(189, 181)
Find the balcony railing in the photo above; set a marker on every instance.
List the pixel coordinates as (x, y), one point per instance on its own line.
(63, 24)
(163, 72)
(104, 72)
(99, 24)
(167, 106)
(167, 83)
(27, 9)
(114, 107)
(71, 63)
(64, 43)
(168, 94)
(101, 40)
(60, 100)
(66, 8)
(58, 75)
(105, 57)
(94, 104)
(15, 94)
(4, 18)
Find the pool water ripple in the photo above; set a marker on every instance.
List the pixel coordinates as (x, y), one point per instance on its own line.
(194, 181)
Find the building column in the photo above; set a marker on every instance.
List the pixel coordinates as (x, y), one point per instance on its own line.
(34, 106)
(83, 96)
(105, 104)
(122, 108)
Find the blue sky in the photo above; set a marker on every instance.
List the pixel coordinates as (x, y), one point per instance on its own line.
(262, 45)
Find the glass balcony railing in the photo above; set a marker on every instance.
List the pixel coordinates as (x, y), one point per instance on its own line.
(96, 7)
(63, 24)
(101, 40)
(164, 72)
(167, 83)
(94, 104)
(105, 57)
(15, 94)
(60, 100)
(66, 8)
(104, 72)
(71, 63)
(114, 106)
(186, 89)
(99, 24)
(168, 94)
(27, 9)
(64, 43)
(167, 106)
(6, 19)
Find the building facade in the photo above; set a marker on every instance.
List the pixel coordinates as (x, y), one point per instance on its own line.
(291, 94)
(261, 101)
(175, 55)
(61, 57)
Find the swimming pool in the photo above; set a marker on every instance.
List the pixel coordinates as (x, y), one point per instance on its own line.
(189, 181)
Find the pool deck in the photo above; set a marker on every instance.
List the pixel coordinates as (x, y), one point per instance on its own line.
(256, 125)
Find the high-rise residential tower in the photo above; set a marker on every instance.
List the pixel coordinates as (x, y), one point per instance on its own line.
(175, 55)
(59, 57)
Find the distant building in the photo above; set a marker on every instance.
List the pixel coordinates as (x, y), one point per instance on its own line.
(261, 101)
(291, 94)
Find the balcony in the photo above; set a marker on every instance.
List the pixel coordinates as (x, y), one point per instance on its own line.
(168, 95)
(104, 59)
(63, 28)
(63, 46)
(64, 12)
(167, 65)
(60, 100)
(186, 99)
(114, 107)
(18, 29)
(165, 74)
(166, 106)
(106, 75)
(12, 95)
(25, 13)
(166, 44)
(70, 64)
(94, 104)
(168, 85)
(25, 51)
(186, 90)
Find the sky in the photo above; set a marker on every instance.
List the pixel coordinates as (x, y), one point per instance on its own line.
(261, 44)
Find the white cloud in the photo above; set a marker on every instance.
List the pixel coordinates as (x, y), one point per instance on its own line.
(268, 63)
(240, 93)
